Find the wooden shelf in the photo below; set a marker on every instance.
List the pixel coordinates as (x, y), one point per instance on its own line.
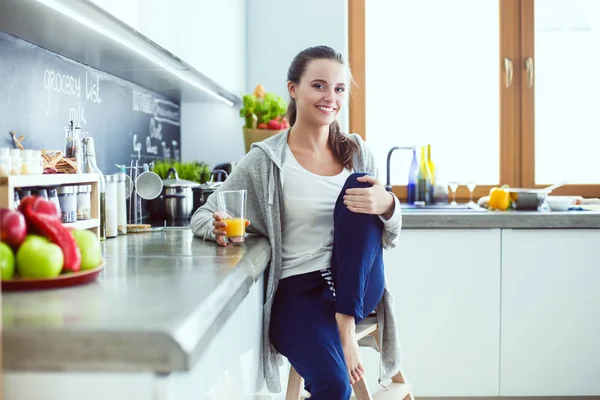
(21, 181)
(84, 224)
(9, 185)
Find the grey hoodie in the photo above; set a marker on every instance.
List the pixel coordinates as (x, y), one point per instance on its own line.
(260, 173)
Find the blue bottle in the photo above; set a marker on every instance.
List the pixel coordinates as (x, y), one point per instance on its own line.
(411, 189)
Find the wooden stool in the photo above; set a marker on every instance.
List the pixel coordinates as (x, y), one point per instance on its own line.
(397, 390)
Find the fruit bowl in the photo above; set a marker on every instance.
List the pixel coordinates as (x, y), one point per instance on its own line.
(63, 280)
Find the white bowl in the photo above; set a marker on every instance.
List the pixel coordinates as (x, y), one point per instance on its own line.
(560, 203)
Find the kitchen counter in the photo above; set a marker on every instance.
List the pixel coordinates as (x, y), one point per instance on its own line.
(421, 219)
(159, 301)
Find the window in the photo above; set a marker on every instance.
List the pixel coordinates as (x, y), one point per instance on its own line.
(463, 76)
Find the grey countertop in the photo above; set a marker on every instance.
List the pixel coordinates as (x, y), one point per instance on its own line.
(164, 295)
(160, 299)
(498, 219)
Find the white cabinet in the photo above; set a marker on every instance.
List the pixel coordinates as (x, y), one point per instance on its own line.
(446, 285)
(230, 368)
(160, 21)
(126, 11)
(215, 40)
(550, 319)
(208, 35)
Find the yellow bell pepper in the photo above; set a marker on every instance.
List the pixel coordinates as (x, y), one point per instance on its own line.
(499, 199)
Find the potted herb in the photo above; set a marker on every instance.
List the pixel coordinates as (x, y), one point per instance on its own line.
(264, 116)
(192, 171)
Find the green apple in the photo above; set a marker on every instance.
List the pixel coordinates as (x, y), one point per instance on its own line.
(39, 258)
(89, 246)
(7, 261)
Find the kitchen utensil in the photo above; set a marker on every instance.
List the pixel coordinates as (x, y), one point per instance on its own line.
(232, 206)
(222, 171)
(560, 203)
(178, 196)
(201, 192)
(527, 199)
(531, 199)
(555, 186)
(148, 185)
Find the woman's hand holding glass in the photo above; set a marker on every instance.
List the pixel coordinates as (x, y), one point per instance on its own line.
(220, 229)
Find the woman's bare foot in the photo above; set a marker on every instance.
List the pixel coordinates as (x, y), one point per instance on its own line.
(346, 327)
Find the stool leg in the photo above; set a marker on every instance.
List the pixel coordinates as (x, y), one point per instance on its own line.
(361, 391)
(294, 386)
(398, 378)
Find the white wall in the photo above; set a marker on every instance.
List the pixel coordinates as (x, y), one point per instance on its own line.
(212, 132)
(278, 30)
(273, 32)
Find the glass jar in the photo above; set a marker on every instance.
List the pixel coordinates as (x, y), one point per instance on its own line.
(53, 198)
(40, 192)
(16, 162)
(67, 198)
(5, 161)
(112, 225)
(24, 193)
(27, 164)
(16, 200)
(84, 202)
(38, 162)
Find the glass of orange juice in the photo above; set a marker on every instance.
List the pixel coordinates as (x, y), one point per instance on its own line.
(232, 206)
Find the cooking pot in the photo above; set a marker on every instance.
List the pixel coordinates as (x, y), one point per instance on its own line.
(201, 192)
(177, 194)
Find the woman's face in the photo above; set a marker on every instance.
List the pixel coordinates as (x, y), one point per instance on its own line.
(321, 93)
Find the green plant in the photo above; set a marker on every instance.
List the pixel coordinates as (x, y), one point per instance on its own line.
(260, 108)
(192, 171)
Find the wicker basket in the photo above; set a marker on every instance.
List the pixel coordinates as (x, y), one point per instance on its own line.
(258, 135)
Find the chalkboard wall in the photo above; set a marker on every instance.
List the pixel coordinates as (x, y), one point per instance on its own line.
(40, 92)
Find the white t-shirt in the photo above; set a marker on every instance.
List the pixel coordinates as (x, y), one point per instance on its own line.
(309, 200)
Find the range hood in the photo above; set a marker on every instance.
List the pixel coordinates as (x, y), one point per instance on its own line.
(85, 33)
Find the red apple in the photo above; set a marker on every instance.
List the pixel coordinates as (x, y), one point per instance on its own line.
(12, 227)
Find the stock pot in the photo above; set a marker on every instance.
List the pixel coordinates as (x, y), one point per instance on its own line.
(177, 195)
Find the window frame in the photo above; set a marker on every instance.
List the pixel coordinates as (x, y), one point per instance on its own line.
(517, 102)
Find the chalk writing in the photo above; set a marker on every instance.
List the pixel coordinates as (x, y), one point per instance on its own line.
(143, 102)
(168, 112)
(137, 146)
(155, 129)
(59, 83)
(92, 90)
(149, 147)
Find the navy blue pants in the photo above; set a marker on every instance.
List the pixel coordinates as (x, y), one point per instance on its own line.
(303, 326)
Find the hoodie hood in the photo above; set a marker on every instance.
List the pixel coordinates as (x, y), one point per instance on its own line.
(274, 147)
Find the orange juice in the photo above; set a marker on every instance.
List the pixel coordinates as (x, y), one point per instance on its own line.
(235, 227)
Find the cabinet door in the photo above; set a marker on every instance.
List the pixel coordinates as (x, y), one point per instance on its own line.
(550, 319)
(446, 285)
(160, 21)
(126, 11)
(214, 34)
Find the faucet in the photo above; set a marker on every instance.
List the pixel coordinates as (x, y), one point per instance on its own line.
(388, 185)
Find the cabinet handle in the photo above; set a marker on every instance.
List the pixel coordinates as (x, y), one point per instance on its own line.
(529, 68)
(508, 68)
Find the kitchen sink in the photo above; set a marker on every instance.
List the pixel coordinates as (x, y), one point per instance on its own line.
(442, 208)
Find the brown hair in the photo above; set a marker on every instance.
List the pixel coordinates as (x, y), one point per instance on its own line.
(342, 147)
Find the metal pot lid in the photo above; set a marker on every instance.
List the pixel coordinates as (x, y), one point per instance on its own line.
(212, 185)
(176, 182)
(208, 186)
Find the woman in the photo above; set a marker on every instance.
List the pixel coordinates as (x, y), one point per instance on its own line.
(312, 191)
